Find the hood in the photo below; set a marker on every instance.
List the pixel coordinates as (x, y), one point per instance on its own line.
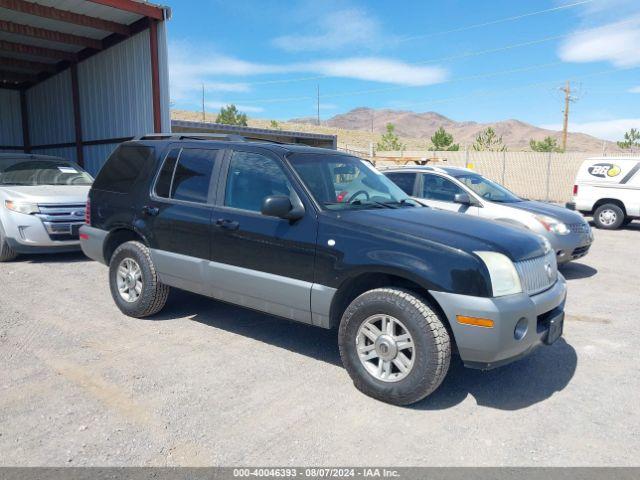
(455, 230)
(560, 213)
(60, 194)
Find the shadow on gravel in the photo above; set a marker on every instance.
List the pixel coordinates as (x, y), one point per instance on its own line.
(297, 337)
(512, 387)
(67, 257)
(576, 271)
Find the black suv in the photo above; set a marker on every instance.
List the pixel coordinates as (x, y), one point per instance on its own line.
(323, 238)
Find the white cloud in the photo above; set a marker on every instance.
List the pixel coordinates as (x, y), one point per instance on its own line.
(346, 28)
(379, 70)
(241, 108)
(607, 129)
(634, 89)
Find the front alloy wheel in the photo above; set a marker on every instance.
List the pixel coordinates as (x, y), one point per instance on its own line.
(385, 348)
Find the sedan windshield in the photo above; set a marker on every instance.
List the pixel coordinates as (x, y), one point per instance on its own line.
(487, 189)
(36, 171)
(342, 182)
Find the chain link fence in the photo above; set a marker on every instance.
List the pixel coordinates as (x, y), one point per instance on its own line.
(534, 175)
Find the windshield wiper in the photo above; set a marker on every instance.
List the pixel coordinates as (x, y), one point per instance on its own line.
(374, 202)
(403, 203)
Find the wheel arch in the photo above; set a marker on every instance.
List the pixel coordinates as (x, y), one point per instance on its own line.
(357, 284)
(615, 201)
(119, 236)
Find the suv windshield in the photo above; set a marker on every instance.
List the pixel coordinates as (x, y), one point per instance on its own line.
(487, 189)
(34, 172)
(342, 182)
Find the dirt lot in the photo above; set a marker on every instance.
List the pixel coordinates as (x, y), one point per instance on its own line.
(207, 383)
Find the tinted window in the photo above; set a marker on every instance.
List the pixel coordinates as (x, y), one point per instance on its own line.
(192, 175)
(163, 184)
(123, 167)
(404, 180)
(252, 177)
(439, 188)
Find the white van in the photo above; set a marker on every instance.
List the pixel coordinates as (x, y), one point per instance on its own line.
(609, 189)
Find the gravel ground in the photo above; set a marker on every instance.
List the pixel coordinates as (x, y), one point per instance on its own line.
(206, 383)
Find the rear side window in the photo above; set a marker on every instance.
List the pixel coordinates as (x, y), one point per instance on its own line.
(163, 184)
(404, 180)
(122, 169)
(186, 175)
(439, 188)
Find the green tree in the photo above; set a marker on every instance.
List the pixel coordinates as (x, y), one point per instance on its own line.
(488, 140)
(442, 141)
(275, 125)
(390, 141)
(631, 139)
(229, 115)
(548, 144)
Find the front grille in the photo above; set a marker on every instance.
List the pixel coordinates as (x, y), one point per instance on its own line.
(582, 227)
(62, 221)
(538, 274)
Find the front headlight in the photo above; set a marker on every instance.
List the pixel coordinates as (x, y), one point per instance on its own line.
(21, 207)
(503, 273)
(553, 225)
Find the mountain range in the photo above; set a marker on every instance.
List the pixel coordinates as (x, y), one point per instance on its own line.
(515, 133)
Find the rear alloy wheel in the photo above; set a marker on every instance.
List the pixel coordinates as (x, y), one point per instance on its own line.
(134, 282)
(608, 216)
(394, 346)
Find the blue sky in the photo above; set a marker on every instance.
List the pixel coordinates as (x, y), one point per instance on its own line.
(474, 60)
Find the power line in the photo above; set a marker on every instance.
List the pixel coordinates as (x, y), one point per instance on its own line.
(495, 22)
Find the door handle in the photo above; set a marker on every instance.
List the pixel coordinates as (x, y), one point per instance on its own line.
(150, 211)
(227, 224)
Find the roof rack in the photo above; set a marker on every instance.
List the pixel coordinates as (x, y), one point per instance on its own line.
(192, 136)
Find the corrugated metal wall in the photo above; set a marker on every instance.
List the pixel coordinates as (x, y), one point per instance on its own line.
(115, 91)
(10, 118)
(115, 96)
(96, 155)
(50, 111)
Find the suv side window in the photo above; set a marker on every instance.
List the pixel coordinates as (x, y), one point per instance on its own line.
(436, 187)
(122, 168)
(186, 175)
(192, 177)
(405, 181)
(251, 178)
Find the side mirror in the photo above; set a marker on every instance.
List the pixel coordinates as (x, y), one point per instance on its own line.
(280, 206)
(462, 198)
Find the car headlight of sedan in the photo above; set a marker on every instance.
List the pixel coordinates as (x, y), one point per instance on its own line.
(553, 225)
(504, 276)
(22, 207)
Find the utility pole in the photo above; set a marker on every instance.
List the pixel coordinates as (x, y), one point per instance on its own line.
(565, 124)
(203, 115)
(318, 89)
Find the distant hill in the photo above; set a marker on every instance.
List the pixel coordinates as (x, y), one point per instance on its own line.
(516, 134)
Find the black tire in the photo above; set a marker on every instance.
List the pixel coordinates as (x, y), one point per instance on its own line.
(153, 295)
(6, 252)
(432, 352)
(617, 215)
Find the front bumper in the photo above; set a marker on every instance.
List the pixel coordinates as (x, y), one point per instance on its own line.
(28, 234)
(487, 348)
(572, 246)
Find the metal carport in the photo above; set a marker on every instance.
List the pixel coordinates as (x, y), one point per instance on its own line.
(77, 76)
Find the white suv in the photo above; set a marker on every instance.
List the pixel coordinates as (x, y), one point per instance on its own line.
(42, 204)
(465, 191)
